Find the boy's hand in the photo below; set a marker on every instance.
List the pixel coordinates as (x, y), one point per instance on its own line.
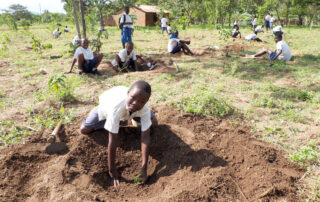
(188, 42)
(115, 177)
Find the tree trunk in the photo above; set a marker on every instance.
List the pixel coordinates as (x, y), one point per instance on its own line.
(300, 20)
(83, 22)
(76, 18)
(101, 18)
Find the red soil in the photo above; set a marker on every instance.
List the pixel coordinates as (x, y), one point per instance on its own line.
(191, 158)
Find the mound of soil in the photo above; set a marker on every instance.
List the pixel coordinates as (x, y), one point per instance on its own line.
(191, 158)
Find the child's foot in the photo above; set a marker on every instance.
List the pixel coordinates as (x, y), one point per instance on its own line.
(144, 177)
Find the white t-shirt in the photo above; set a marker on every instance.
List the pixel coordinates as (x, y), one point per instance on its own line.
(168, 29)
(259, 28)
(128, 19)
(250, 37)
(87, 53)
(172, 44)
(268, 18)
(123, 54)
(55, 33)
(164, 22)
(113, 108)
(286, 54)
(254, 22)
(272, 19)
(76, 40)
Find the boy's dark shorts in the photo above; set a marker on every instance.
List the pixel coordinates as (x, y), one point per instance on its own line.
(234, 35)
(176, 50)
(272, 55)
(92, 121)
(267, 24)
(90, 65)
(164, 28)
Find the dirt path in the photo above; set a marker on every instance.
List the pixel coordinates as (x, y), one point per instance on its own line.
(192, 158)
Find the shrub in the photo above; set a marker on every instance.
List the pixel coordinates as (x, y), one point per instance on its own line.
(62, 87)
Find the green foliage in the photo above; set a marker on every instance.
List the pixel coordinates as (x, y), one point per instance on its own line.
(264, 102)
(62, 87)
(96, 43)
(72, 49)
(10, 133)
(4, 41)
(224, 33)
(308, 155)
(49, 117)
(291, 93)
(137, 179)
(37, 46)
(205, 103)
(25, 24)
(9, 21)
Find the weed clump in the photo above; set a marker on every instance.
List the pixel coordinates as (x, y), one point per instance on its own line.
(308, 155)
(205, 103)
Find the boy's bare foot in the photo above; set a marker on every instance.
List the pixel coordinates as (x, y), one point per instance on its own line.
(144, 177)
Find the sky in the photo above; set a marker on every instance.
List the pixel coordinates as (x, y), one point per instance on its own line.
(54, 6)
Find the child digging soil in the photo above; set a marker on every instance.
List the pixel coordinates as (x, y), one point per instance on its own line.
(122, 104)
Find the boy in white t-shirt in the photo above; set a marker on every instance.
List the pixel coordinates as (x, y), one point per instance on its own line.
(126, 60)
(175, 44)
(253, 37)
(169, 29)
(164, 25)
(272, 19)
(259, 29)
(87, 61)
(122, 104)
(282, 51)
(127, 27)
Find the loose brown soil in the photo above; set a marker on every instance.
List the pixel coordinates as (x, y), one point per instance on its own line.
(191, 158)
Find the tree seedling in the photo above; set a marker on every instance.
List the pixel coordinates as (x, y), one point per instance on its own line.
(137, 179)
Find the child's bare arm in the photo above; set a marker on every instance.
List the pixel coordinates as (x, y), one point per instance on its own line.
(145, 148)
(112, 147)
(73, 62)
(275, 57)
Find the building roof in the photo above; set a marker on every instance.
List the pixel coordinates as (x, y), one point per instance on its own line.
(150, 9)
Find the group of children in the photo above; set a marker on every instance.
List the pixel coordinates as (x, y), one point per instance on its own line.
(124, 105)
(282, 51)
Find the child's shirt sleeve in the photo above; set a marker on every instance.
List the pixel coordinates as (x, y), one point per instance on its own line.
(134, 56)
(279, 46)
(78, 51)
(146, 120)
(122, 55)
(113, 122)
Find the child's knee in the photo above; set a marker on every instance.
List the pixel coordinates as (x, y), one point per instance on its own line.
(85, 131)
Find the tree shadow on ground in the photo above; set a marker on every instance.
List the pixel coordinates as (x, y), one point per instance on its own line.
(168, 151)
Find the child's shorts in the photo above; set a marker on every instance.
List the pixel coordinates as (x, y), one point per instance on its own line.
(92, 121)
(164, 28)
(176, 49)
(90, 65)
(272, 55)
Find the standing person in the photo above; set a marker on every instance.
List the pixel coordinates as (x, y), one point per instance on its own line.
(272, 19)
(254, 23)
(126, 26)
(267, 20)
(87, 61)
(164, 24)
(121, 104)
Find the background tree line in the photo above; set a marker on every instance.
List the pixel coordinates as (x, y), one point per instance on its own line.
(183, 12)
